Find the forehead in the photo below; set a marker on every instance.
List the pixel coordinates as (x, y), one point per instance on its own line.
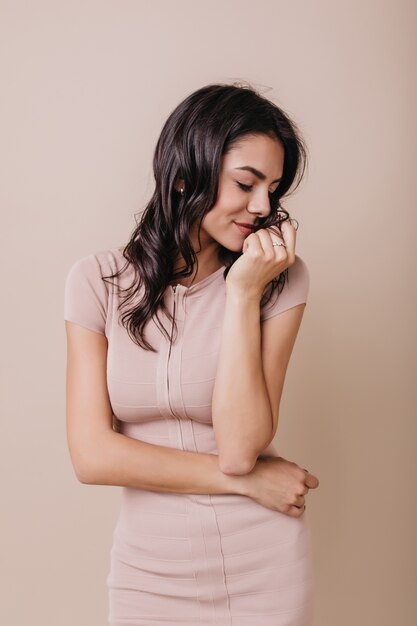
(261, 151)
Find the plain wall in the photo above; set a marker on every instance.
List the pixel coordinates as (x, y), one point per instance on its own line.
(86, 88)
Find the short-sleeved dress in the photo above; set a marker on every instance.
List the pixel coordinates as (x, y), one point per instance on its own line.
(196, 559)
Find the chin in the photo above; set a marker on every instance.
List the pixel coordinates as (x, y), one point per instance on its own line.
(232, 246)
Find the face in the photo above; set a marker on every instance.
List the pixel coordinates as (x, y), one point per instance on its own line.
(243, 195)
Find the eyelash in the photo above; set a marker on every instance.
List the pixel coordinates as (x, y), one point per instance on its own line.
(248, 188)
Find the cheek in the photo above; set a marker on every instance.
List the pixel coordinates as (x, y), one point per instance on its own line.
(216, 216)
(227, 207)
(219, 220)
(230, 206)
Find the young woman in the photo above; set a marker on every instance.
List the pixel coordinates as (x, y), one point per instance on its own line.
(178, 346)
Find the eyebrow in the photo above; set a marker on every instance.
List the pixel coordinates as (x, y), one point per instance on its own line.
(257, 173)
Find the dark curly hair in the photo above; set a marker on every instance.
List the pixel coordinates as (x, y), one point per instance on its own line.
(193, 140)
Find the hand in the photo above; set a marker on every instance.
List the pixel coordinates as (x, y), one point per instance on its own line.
(279, 485)
(261, 261)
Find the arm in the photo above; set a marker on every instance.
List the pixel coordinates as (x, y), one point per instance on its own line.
(241, 410)
(250, 376)
(102, 456)
(120, 460)
(278, 338)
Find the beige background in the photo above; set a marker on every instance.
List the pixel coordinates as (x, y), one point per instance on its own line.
(86, 88)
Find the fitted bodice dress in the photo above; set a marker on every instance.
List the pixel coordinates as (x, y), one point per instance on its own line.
(195, 559)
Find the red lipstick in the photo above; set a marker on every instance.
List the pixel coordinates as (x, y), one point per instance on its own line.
(245, 229)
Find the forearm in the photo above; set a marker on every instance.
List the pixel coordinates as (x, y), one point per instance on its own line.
(123, 461)
(241, 410)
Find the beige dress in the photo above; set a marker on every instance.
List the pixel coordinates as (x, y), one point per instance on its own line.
(195, 559)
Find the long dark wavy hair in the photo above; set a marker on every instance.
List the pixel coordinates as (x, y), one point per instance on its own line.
(197, 134)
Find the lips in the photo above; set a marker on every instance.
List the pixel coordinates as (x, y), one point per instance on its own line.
(245, 229)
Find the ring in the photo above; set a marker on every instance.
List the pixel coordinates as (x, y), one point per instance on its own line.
(279, 243)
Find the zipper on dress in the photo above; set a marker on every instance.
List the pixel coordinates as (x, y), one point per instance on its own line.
(170, 346)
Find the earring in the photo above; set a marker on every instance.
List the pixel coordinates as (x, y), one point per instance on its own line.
(182, 191)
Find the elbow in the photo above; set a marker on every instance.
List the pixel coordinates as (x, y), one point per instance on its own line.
(236, 467)
(90, 460)
(83, 475)
(82, 468)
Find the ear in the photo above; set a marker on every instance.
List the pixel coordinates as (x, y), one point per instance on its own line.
(179, 183)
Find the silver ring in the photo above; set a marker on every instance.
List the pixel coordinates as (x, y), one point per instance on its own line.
(279, 243)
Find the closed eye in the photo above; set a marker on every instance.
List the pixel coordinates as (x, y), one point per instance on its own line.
(245, 187)
(248, 188)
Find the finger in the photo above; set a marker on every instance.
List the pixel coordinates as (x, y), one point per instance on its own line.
(275, 233)
(311, 481)
(276, 230)
(294, 223)
(289, 235)
(267, 240)
(253, 242)
(299, 501)
(296, 511)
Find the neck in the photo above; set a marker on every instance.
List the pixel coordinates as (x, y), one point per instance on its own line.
(206, 266)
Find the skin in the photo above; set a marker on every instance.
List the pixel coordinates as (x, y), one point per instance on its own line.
(244, 197)
(234, 204)
(102, 456)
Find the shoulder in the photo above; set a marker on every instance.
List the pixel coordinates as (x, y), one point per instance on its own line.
(295, 291)
(86, 294)
(98, 263)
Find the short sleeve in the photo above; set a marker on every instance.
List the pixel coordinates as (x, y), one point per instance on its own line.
(86, 295)
(295, 290)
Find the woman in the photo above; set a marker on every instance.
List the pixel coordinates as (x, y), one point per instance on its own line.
(178, 345)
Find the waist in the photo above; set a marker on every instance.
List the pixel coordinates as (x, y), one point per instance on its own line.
(182, 434)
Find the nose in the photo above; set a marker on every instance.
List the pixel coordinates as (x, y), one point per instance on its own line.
(259, 204)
